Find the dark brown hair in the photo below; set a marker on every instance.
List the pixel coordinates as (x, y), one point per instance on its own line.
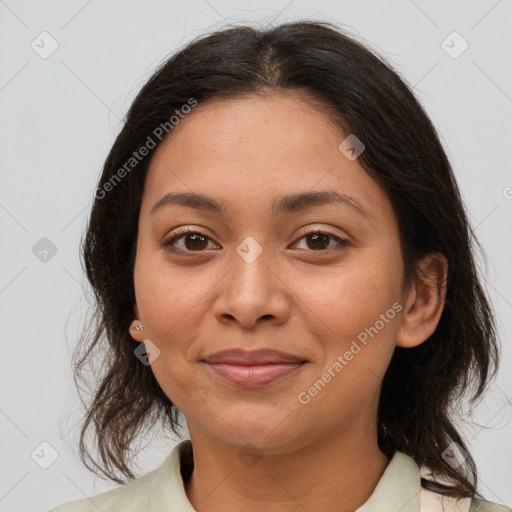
(403, 153)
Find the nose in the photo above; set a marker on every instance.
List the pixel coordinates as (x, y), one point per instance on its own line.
(252, 293)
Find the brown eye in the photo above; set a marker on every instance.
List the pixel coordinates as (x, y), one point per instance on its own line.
(193, 241)
(196, 240)
(318, 241)
(322, 241)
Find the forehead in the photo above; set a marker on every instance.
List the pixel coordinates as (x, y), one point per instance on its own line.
(254, 149)
(251, 128)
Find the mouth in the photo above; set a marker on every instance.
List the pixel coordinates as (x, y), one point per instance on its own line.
(253, 357)
(254, 368)
(254, 375)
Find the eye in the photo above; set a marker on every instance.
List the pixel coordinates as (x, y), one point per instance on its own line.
(317, 240)
(194, 241)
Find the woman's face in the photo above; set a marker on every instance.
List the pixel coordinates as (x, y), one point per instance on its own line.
(253, 277)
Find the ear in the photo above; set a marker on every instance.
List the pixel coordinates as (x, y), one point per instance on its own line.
(137, 335)
(424, 301)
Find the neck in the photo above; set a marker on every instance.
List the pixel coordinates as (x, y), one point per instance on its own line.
(331, 474)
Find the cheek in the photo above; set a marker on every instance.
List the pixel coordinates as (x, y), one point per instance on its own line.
(168, 311)
(167, 294)
(345, 300)
(356, 316)
(170, 303)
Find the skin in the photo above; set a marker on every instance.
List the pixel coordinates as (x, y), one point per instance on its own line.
(247, 152)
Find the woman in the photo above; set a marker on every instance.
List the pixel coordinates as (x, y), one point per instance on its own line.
(280, 253)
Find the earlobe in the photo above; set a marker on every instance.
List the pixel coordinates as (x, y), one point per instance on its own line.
(425, 302)
(136, 330)
(136, 327)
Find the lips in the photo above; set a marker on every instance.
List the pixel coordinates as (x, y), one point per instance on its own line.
(253, 369)
(252, 358)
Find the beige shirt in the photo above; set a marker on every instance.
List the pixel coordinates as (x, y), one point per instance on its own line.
(162, 490)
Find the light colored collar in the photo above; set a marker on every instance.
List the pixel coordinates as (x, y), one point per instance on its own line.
(167, 493)
(398, 488)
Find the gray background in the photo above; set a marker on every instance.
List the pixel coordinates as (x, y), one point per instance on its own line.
(60, 115)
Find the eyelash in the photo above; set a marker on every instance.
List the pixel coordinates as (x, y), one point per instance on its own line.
(167, 244)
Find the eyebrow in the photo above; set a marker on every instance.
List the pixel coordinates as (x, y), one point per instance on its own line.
(282, 205)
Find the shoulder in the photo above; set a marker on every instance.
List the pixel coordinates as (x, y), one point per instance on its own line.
(487, 506)
(434, 502)
(162, 488)
(129, 497)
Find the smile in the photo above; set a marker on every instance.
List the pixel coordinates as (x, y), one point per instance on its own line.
(254, 375)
